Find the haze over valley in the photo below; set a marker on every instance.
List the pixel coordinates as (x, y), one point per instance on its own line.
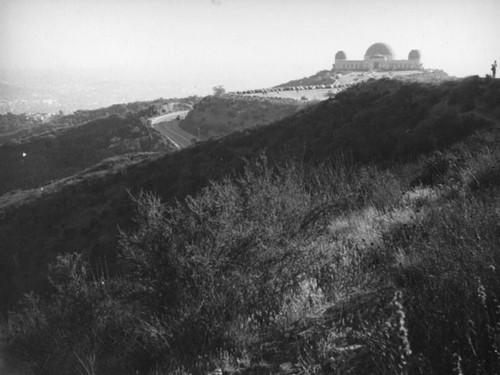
(67, 54)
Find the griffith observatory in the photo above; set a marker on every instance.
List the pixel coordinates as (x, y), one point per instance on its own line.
(378, 56)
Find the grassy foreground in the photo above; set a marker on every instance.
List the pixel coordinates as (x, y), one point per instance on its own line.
(389, 266)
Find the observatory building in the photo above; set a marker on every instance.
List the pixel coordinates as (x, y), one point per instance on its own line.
(378, 56)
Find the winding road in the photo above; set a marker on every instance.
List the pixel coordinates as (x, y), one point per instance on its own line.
(168, 125)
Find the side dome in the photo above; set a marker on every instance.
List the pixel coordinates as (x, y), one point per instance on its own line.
(380, 49)
(414, 54)
(340, 55)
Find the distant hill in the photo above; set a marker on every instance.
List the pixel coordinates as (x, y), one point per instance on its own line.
(17, 127)
(11, 126)
(53, 155)
(216, 116)
(383, 122)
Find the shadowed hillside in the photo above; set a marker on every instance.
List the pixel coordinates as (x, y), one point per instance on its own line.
(54, 155)
(356, 236)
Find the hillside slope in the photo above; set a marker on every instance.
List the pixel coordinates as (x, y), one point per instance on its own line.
(380, 121)
(216, 116)
(57, 154)
(362, 238)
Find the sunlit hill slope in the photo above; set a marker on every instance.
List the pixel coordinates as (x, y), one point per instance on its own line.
(216, 116)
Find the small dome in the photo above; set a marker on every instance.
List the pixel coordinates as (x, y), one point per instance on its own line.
(340, 55)
(380, 49)
(414, 54)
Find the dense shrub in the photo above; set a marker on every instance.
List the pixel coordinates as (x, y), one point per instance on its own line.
(86, 326)
(436, 169)
(193, 271)
(234, 250)
(448, 267)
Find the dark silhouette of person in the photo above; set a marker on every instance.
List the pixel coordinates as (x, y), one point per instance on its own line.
(494, 69)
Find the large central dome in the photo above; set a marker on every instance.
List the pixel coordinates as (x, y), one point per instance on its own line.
(378, 49)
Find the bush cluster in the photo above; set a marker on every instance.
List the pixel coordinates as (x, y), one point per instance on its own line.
(192, 272)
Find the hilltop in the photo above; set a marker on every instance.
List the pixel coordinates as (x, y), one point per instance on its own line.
(358, 235)
(326, 77)
(323, 77)
(327, 83)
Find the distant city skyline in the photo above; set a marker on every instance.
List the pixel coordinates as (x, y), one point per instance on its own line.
(240, 44)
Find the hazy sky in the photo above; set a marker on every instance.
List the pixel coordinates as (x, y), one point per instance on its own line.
(241, 43)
